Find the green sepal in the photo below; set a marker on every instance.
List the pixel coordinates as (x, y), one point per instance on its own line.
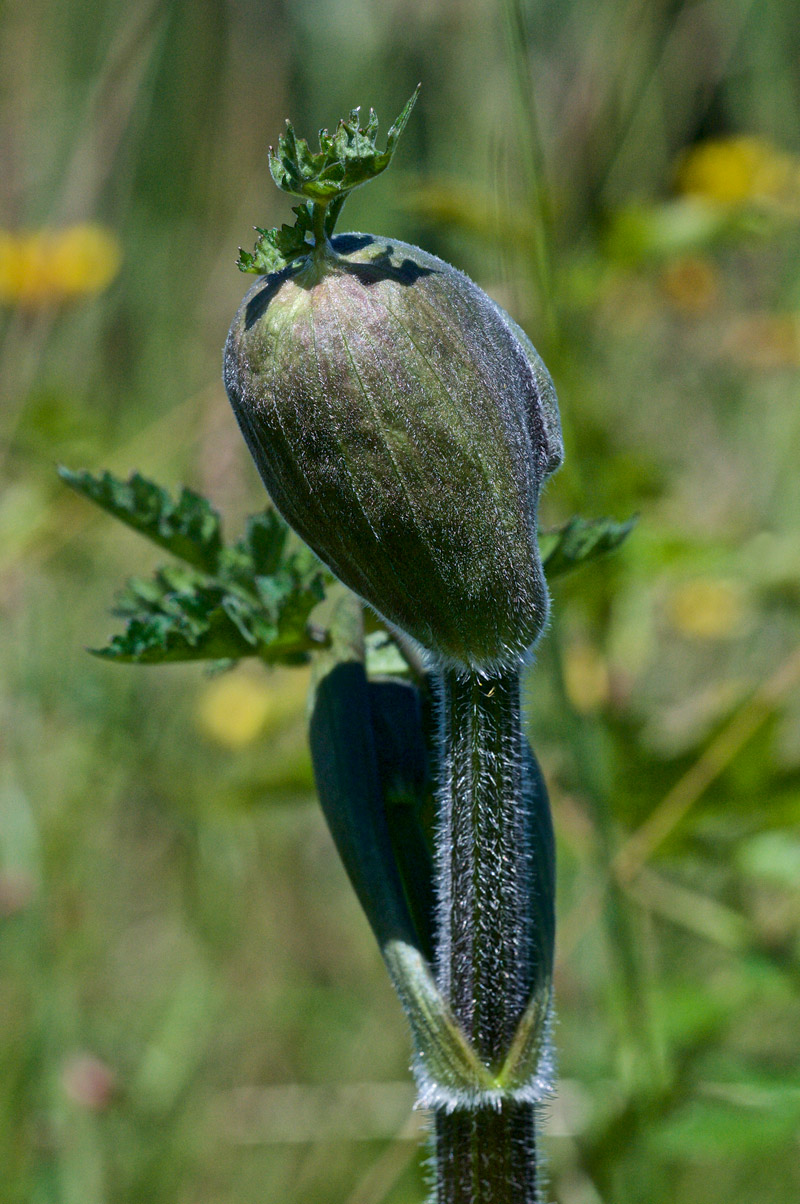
(225, 602)
(581, 540)
(346, 158)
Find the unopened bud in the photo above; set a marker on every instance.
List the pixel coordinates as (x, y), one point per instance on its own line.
(403, 424)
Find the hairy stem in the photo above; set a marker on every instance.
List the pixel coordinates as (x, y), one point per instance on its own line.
(484, 1154)
(318, 211)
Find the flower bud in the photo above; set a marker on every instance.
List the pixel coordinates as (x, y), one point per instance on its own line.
(403, 424)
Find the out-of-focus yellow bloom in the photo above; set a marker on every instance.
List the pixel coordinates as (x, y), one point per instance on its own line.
(707, 609)
(449, 204)
(735, 171)
(234, 709)
(769, 342)
(40, 268)
(691, 284)
(586, 677)
(239, 707)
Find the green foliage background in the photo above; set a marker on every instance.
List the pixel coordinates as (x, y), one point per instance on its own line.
(191, 1005)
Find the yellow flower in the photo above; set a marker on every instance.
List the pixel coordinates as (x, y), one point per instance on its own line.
(233, 709)
(45, 267)
(707, 609)
(737, 170)
(691, 284)
(236, 709)
(769, 342)
(586, 677)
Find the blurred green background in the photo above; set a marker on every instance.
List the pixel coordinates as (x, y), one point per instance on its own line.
(191, 1006)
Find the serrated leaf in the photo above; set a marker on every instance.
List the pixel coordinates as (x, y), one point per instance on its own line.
(265, 541)
(189, 528)
(275, 249)
(294, 612)
(581, 540)
(206, 621)
(261, 553)
(163, 639)
(141, 596)
(247, 599)
(346, 158)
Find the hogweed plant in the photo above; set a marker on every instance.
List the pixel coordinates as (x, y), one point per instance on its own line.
(404, 427)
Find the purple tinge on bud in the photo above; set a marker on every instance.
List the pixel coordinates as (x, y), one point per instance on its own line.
(403, 424)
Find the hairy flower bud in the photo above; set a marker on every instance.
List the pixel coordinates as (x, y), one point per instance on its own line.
(403, 424)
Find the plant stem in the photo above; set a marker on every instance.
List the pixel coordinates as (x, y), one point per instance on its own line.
(484, 1154)
(318, 211)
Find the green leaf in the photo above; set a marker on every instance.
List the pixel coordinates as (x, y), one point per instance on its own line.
(189, 528)
(447, 1068)
(384, 657)
(251, 598)
(407, 790)
(259, 553)
(275, 249)
(175, 617)
(163, 639)
(581, 540)
(348, 778)
(352, 774)
(346, 158)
